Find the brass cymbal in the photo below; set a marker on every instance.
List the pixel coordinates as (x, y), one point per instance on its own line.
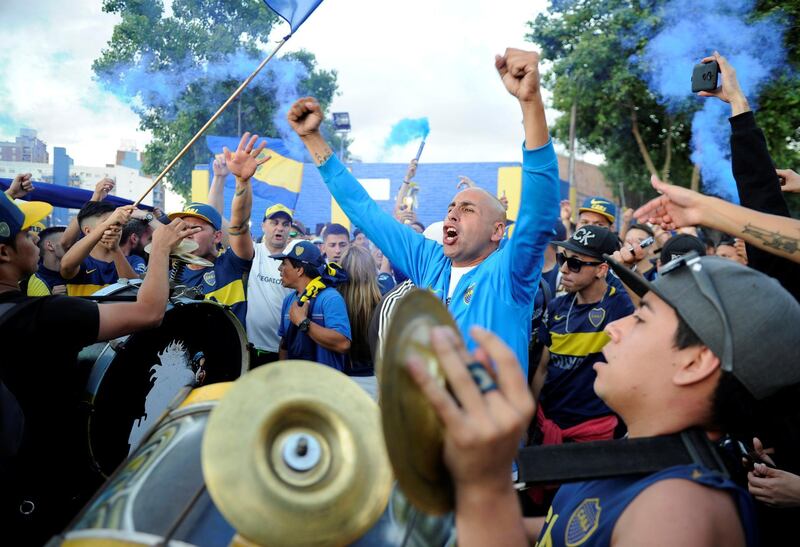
(293, 456)
(183, 252)
(413, 432)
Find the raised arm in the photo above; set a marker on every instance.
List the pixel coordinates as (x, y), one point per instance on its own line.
(539, 203)
(71, 261)
(73, 231)
(243, 164)
(678, 207)
(407, 250)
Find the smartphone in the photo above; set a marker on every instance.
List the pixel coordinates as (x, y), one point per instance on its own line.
(705, 77)
(646, 242)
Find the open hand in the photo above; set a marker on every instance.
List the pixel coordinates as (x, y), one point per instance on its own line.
(305, 116)
(482, 430)
(519, 71)
(675, 208)
(245, 161)
(21, 186)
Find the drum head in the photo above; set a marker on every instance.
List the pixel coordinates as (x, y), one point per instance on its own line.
(198, 343)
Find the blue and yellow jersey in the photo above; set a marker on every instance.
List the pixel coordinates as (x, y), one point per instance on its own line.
(585, 513)
(574, 335)
(93, 276)
(137, 263)
(224, 282)
(42, 282)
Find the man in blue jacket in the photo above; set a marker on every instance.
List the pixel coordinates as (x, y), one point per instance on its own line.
(482, 283)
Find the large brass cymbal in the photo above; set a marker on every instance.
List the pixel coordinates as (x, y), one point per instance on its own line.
(183, 253)
(293, 456)
(413, 432)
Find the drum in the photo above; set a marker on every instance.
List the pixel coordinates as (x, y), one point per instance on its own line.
(134, 378)
(159, 497)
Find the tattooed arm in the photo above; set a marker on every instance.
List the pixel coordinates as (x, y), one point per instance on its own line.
(243, 164)
(678, 207)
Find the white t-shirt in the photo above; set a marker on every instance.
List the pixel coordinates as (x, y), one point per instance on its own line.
(265, 296)
(456, 273)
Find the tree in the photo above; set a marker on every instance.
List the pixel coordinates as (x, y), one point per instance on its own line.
(175, 69)
(591, 44)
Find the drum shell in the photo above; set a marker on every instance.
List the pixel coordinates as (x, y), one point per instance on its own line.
(125, 374)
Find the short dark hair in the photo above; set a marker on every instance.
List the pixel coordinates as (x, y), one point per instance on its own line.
(45, 234)
(94, 209)
(357, 232)
(133, 226)
(334, 229)
(685, 337)
(643, 227)
(308, 269)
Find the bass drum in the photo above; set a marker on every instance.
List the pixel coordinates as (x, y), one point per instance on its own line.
(134, 378)
(159, 497)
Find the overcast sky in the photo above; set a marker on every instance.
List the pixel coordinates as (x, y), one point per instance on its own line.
(395, 60)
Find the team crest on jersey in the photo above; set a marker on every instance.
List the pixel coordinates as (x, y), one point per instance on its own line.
(210, 278)
(596, 316)
(468, 294)
(583, 522)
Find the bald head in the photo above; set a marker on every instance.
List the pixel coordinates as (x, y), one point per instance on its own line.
(491, 207)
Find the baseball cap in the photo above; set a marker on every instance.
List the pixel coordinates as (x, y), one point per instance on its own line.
(601, 206)
(202, 211)
(16, 216)
(278, 209)
(594, 241)
(303, 251)
(679, 245)
(745, 317)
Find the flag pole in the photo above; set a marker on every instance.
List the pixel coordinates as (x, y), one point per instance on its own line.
(211, 120)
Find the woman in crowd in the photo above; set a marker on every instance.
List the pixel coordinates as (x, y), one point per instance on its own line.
(361, 295)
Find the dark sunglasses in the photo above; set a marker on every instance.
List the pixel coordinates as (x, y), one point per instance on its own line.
(707, 289)
(573, 264)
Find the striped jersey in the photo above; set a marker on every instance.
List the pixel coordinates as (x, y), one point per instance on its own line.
(224, 282)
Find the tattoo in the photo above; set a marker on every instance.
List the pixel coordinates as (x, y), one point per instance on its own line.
(774, 240)
(239, 191)
(240, 229)
(322, 158)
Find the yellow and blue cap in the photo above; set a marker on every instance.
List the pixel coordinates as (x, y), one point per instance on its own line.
(278, 209)
(18, 216)
(601, 206)
(202, 211)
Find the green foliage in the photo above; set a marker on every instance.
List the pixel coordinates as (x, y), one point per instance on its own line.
(589, 43)
(173, 47)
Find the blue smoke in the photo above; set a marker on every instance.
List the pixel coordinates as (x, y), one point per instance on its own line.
(407, 130)
(146, 90)
(691, 30)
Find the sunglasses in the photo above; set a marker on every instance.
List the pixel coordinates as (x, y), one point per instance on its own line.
(709, 291)
(573, 264)
(293, 233)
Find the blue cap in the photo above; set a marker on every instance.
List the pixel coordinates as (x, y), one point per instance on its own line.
(601, 206)
(18, 216)
(202, 211)
(302, 251)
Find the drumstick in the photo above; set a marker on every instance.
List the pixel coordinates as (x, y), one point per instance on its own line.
(213, 118)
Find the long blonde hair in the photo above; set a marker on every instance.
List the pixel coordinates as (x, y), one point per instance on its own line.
(361, 293)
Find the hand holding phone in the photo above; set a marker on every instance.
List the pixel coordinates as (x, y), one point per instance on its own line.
(705, 77)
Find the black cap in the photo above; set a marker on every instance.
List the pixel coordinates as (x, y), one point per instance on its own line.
(681, 244)
(590, 240)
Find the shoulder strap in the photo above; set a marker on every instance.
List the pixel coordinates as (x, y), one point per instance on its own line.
(10, 309)
(574, 462)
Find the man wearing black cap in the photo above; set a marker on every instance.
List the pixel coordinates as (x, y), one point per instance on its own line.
(572, 330)
(48, 480)
(315, 328)
(712, 346)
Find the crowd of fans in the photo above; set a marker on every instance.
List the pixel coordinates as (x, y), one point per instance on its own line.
(681, 314)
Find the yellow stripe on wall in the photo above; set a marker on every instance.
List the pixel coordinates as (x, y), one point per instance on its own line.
(338, 216)
(509, 180)
(200, 183)
(578, 344)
